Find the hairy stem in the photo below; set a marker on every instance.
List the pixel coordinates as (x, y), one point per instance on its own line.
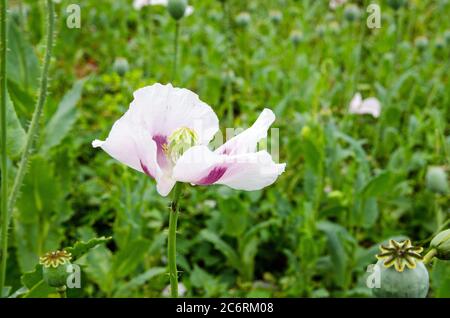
(34, 125)
(429, 256)
(175, 53)
(4, 182)
(172, 241)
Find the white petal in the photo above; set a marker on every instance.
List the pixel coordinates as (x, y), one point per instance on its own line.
(120, 143)
(355, 103)
(162, 109)
(250, 171)
(247, 140)
(371, 106)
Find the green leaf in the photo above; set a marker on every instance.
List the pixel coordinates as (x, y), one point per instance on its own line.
(63, 119)
(81, 248)
(140, 280)
(22, 64)
(16, 136)
(127, 259)
(377, 185)
(223, 247)
(35, 285)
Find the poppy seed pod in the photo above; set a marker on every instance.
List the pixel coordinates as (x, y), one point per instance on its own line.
(436, 180)
(441, 244)
(55, 268)
(177, 8)
(275, 16)
(296, 37)
(447, 37)
(243, 19)
(396, 4)
(121, 66)
(351, 13)
(421, 42)
(402, 273)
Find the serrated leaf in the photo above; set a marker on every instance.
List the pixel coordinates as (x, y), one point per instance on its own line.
(140, 280)
(81, 248)
(128, 258)
(63, 119)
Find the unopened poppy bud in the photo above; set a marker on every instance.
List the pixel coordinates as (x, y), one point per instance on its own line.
(54, 267)
(441, 244)
(421, 43)
(351, 12)
(177, 8)
(121, 66)
(436, 180)
(276, 16)
(243, 19)
(296, 37)
(396, 4)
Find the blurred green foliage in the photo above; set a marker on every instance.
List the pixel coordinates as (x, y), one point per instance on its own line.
(351, 181)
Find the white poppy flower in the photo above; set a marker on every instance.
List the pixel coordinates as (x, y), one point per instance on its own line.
(165, 133)
(369, 105)
(139, 4)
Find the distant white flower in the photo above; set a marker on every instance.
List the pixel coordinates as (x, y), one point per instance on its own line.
(181, 290)
(336, 3)
(139, 4)
(369, 105)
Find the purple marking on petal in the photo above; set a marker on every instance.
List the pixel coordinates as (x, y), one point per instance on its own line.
(146, 171)
(213, 176)
(161, 158)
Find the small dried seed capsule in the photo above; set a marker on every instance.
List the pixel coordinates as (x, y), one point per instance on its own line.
(436, 180)
(441, 244)
(177, 8)
(121, 66)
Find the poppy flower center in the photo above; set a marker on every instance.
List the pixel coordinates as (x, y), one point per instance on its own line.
(179, 142)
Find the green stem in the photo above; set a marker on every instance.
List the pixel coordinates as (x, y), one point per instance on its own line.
(62, 292)
(229, 87)
(172, 241)
(4, 182)
(175, 53)
(34, 125)
(429, 256)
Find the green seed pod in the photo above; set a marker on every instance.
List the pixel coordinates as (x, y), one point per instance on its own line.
(275, 16)
(421, 42)
(54, 268)
(351, 12)
(439, 44)
(243, 19)
(436, 180)
(121, 66)
(396, 4)
(177, 8)
(441, 243)
(296, 37)
(411, 283)
(402, 273)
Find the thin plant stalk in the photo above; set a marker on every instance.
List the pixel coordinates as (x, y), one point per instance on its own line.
(175, 53)
(4, 182)
(229, 87)
(172, 240)
(34, 125)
